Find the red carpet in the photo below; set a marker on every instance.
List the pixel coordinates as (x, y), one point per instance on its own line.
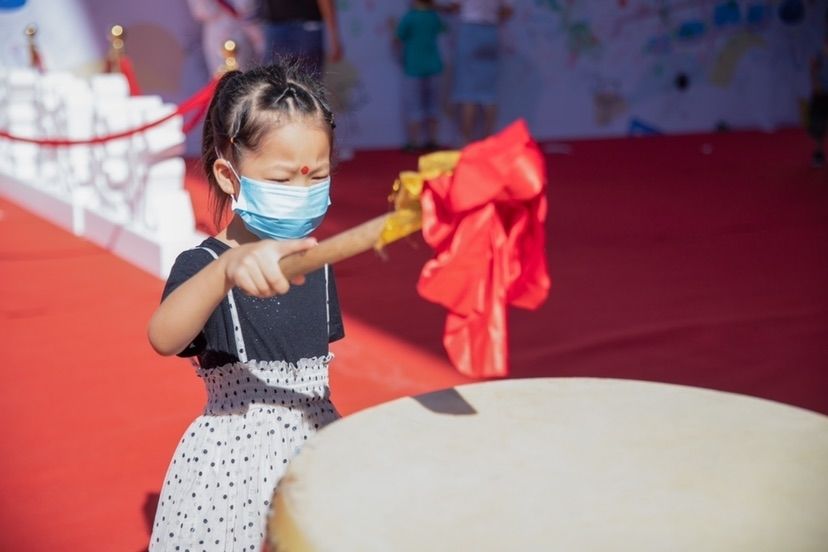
(668, 264)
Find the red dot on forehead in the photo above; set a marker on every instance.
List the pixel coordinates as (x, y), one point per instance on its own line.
(305, 170)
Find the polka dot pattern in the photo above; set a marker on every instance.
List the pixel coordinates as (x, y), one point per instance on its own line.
(218, 488)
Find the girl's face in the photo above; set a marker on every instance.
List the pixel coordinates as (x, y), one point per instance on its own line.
(295, 153)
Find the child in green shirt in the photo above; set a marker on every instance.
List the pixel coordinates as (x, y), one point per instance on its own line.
(417, 33)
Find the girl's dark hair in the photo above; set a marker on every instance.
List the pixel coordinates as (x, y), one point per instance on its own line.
(242, 109)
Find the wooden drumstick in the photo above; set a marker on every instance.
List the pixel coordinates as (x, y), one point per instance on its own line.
(346, 244)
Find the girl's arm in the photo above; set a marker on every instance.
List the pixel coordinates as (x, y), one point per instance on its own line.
(253, 268)
(400, 30)
(182, 315)
(326, 7)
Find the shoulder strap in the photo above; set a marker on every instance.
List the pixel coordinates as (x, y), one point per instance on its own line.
(234, 315)
(327, 302)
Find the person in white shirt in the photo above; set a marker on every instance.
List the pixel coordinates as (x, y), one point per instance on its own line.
(475, 62)
(223, 20)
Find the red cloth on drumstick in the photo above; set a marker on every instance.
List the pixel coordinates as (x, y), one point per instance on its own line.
(486, 223)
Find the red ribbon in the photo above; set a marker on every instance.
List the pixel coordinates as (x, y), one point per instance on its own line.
(129, 72)
(486, 223)
(37, 60)
(191, 123)
(229, 8)
(200, 100)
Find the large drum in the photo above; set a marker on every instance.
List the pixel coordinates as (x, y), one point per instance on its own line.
(561, 464)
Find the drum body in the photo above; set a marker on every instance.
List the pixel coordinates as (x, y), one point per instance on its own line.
(561, 464)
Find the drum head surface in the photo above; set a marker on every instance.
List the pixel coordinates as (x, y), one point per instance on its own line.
(561, 464)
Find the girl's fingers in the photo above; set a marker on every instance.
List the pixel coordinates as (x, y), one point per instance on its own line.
(260, 283)
(287, 247)
(282, 249)
(244, 283)
(269, 265)
(257, 272)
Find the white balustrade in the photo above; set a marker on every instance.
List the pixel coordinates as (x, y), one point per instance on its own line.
(126, 194)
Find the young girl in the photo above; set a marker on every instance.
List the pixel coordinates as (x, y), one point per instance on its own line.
(261, 345)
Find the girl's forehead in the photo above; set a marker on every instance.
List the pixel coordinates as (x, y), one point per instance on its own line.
(294, 139)
(291, 129)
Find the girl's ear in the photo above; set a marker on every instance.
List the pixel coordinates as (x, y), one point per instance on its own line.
(225, 177)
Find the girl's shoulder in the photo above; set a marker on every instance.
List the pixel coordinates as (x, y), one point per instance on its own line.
(191, 261)
(203, 253)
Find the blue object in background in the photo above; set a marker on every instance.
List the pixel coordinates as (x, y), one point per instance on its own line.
(11, 4)
(690, 30)
(727, 14)
(757, 13)
(640, 128)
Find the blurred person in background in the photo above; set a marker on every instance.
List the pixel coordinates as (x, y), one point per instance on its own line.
(416, 36)
(223, 20)
(303, 29)
(818, 106)
(477, 50)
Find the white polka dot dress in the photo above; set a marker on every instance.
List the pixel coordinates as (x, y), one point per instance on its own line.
(217, 492)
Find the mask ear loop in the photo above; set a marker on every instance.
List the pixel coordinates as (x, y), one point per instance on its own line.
(230, 165)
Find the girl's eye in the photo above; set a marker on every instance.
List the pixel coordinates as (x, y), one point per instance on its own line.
(320, 177)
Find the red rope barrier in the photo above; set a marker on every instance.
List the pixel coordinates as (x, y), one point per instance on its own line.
(228, 8)
(200, 100)
(129, 72)
(191, 123)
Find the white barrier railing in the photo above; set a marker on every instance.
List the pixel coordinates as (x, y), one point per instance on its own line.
(126, 195)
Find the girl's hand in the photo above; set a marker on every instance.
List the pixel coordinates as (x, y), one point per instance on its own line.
(254, 268)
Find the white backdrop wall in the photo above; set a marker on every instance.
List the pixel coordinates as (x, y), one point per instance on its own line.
(572, 68)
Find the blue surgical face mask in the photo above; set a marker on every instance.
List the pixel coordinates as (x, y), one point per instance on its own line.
(281, 212)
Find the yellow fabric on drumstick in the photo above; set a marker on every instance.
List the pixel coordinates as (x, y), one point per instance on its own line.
(407, 215)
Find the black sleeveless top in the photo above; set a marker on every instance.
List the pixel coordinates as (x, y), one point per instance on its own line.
(289, 327)
(278, 11)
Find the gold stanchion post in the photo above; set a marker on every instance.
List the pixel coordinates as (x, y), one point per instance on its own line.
(35, 59)
(229, 51)
(116, 48)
